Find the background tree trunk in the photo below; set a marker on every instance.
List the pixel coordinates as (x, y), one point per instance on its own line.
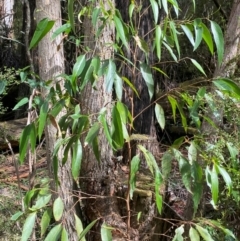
(51, 64)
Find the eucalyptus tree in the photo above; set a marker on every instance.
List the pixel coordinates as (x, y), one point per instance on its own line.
(110, 156)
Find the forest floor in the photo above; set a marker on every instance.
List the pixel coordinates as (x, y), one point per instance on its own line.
(12, 192)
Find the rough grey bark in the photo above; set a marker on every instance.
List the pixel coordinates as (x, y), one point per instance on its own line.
(99, 179)
(51, 64)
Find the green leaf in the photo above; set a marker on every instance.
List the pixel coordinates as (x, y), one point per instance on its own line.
(185, 169)
(106, 233)
(134, 169)
(130, 10)
(159, 112)
(182, 114)
(86, 230)
(193, 234)
(21, 103)
(24, 140)
(178, 233)
(188, 32)
(110, 76)
(41, 202)
(102, 119)
(117, 131)
(118, 86)
(71, 14)
(95, 13)
(165, 6)
(218, 39)
(79, 227)
(120, 31)
(2, 86)
(28, 226)
(54, 233)
(147, 76)
(214, 184)
(229, 86)
(226, 177)
(207, 37)
(192, 152)
(198, 66)
(78, 67)
(64, 235)
(45, 221)
(155, 10)
(204, 233)
(174, 33)
(173, 103)
(158, 41)
(76, 159)
(93, 132)
(57, 108)
(43, 27)
(198, 32)
(64, 28)
(16, 216)
(127, 81)
(166, 164)
(197, 185)
(175, 6)
(58, 208)
(33, 137)
(178, 142)
(170, 51)
(42, 118)
(158, 181)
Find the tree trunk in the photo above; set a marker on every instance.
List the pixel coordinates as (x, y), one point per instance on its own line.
(51, 64)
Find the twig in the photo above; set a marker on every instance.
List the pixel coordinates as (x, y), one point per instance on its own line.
(15, 164)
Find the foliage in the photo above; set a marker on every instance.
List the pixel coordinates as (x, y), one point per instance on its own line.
(88, 70)
(7, 81)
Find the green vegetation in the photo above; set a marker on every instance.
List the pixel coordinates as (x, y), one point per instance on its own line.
(206, 156)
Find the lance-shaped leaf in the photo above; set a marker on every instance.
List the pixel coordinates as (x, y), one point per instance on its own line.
(117, 131)
(76, 159)
(42, 118)
(120, 31)
(193, 234)
(110, 76)
(155, 10)
(134, 168)
(65, 28)
(71, 14)
(58, 208)
(158, 41)
(21, 103)
(64, 235)
(178, 233)
(207, 37)
(198, 32)
(79, 227)
(106, 232)
(226, 178)
(175, 37)
(87, 229)
(147, 76)
(198, 66)
(204, 233)
(218, 39)
(45, 221)
(28, 226)
(187, 30)
(159, 112)
(54, 233)
(93, 132)
(78, 67)
(43, 27)
(214, 184)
